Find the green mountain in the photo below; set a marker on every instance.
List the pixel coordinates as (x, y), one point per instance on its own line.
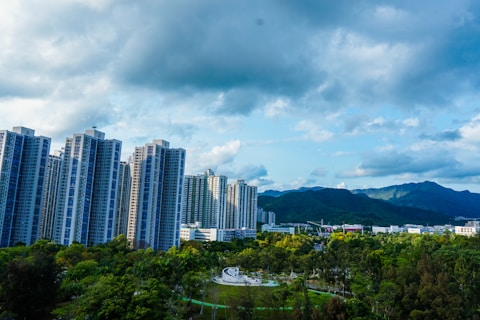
(339, 206)
(429, 196)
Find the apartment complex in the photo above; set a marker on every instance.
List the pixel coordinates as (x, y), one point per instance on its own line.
(156, 196)
(86, 200)
(215, 210)
(23, 161)
(205, 200)
(123, 199)
(241, 206)
(84, 193)
(50, 193)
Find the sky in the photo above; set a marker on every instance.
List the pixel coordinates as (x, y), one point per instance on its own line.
(283, 94)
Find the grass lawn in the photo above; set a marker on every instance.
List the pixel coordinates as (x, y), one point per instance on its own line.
(261, 297)
(255, 302)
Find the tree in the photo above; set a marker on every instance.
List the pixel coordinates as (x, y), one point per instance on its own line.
(108, 298)
(388, 296)
(78, 278)
(335, 309)
(30, 286)
(357, 309)
(72, 254)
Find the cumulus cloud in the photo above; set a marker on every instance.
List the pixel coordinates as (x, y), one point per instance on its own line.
(363, 124)
(314, 53)
(471, 131)
(256, 175)
(341, 185)
(313, 131)
(276, 108)
(220, 155)
(393, 162)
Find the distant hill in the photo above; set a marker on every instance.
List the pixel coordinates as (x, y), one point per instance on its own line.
(275, 193)
(339, 206)
(429, 196)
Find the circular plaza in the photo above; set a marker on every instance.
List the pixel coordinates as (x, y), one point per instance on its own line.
(232, 276)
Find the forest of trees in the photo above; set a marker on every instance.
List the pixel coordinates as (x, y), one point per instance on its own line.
(400, 276)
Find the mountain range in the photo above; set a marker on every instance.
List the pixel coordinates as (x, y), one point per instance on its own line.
(418, 203)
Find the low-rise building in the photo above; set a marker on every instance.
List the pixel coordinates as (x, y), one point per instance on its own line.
(379, 229)
(193, 232)
(277, 228)
(471, 228)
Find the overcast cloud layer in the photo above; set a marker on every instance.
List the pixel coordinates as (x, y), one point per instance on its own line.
(280, 93)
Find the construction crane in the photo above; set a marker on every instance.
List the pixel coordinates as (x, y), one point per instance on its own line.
(319, 225)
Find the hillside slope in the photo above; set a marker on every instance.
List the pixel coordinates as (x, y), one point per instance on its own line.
(338, 206)
(429, 196)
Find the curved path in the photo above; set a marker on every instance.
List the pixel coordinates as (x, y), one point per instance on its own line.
(222, 306)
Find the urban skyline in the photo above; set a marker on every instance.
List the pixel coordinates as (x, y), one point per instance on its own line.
(84, 193)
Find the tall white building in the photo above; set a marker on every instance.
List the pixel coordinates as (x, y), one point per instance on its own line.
(241, 206)
(204, 200)
(50, 193)
(156, 196)
(23, 161)
(86, 201)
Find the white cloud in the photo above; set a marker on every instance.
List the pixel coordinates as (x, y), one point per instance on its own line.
(276, 108)
(341, 185)
(357, 58)
(313, 131)
(411, 122)
(219, 155)
(471, 132)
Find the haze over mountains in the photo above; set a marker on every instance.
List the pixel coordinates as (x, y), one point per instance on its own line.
(420, 203)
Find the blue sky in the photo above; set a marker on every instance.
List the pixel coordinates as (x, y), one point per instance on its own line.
(283, 94)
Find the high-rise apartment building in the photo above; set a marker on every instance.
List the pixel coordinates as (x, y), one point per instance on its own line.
(204, 200)
(87, 197)
(267, 217)
(156, 196)
(23, 161)
(50, 193)
(123, 199)
(241, 206)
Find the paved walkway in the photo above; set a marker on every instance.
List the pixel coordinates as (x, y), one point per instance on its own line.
(222, 306)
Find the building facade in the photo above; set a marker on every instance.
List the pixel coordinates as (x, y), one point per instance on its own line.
(188, 233)
(266, 217)
(204, 200)
(156, 196)
(50, 193)
(471, 228)
(123, 199)
(86, 201)
(241, 206)
(23, 162)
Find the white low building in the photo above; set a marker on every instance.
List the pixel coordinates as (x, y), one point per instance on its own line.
(276, 228)
(192, 232)
(471, 228)
(391, 229)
